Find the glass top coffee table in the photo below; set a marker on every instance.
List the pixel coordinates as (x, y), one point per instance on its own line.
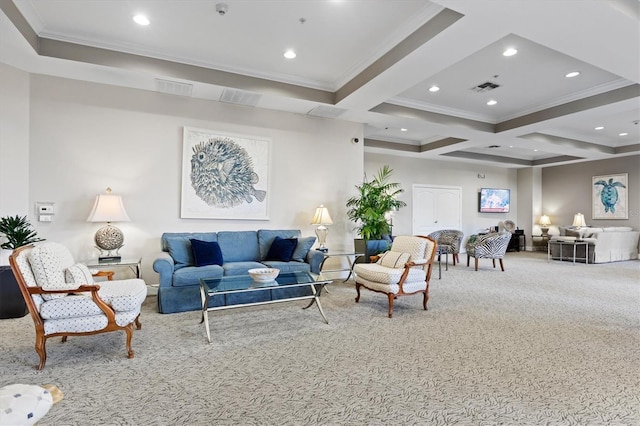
(244, 283)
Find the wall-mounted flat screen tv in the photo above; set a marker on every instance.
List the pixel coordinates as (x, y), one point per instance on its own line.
(494, 200)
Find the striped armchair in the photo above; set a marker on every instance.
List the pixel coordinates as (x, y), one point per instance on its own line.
(449, 242)
(489, 246)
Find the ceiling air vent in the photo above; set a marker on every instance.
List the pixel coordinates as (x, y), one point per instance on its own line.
(174, 87)
(327, 111)
(493, 146)
(239, 97)
(485, 87)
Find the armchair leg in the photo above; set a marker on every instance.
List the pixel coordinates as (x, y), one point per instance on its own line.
(64, 338)
(494, 262)
(476, 263)
(129, 330)
(138, 323)
(501, 265)
(425, 299)
(391, 298)
(358, 291)
(468, 257)
(41, 350)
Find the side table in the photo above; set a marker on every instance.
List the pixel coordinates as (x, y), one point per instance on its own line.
(348, 255)
(543, 241)
(132, 263)
(575, 244)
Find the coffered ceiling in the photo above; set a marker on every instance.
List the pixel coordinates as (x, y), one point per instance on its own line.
(370, 61)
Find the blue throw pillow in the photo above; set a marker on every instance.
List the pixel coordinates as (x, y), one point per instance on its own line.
(302, 249)
(206, 253)
(282, 249)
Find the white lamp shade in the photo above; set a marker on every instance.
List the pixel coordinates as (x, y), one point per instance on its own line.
(108, 208)
(322, 216)
(578, 220)
(544, 220)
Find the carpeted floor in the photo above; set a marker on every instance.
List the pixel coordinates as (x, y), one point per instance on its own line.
(542, 343)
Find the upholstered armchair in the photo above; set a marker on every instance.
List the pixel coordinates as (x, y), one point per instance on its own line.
(449, 242)
(403, 270)
(63, 299)
(488, 246)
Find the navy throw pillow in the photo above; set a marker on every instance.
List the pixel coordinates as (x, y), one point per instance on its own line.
(282, 249)
(206, 252)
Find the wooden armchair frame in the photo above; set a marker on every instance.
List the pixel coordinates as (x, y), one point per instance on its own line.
(428, 263)
(38, 321)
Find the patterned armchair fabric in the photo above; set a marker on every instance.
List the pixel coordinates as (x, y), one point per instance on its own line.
(63, 299)
(404, 270)
(489, 246)
(449, 241)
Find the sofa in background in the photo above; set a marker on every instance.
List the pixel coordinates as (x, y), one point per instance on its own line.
(227, 253)
(610, 244)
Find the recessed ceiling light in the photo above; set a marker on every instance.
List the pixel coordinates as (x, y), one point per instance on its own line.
(599, 128)
(510, 52)
(572, 74)
(492, 102)
(535, 150)
(141, 20)
(434, 88)
(289, 54)
(403, 129)
(623, 134)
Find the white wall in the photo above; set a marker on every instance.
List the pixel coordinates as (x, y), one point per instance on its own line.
(86, 137)
(14, 141)
(408, 171)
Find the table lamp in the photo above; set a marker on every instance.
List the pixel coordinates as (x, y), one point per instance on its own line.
(578, 221)
(544, 224)
(322, 218)
(108, 208)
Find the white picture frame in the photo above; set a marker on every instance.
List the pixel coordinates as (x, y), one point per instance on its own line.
(610, 198)
(224, 175)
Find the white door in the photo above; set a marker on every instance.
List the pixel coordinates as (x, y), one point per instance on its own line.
(436, 207)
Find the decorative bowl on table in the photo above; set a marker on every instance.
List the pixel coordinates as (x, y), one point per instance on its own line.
(264, 275)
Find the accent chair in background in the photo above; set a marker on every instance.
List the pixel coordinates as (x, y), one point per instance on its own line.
(488, 246)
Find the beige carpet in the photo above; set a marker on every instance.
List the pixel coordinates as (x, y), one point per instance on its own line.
(542, 343)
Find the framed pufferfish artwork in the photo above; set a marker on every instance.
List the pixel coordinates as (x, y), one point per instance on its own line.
(224, 175)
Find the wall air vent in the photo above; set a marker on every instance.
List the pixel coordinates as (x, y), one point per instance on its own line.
(493, 146)
(174, 87)
(240, 97)
(485, 87)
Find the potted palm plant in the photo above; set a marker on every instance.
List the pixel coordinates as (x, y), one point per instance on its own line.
(370, 208)
(18, 232)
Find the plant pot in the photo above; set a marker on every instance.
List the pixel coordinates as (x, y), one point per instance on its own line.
(12, 304)
(369, 248)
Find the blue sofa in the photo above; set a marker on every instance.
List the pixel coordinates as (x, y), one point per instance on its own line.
(179, 288)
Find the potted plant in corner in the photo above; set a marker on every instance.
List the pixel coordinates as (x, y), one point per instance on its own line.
(376, 198)
(18, 232)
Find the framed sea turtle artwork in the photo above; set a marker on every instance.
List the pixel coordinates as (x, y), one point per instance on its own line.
(610, 196)
(224, 175)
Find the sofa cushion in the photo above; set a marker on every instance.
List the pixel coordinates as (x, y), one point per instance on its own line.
(617, 229)
(206, 253)
(288, 266)
(282, 249)
(240, 268)
(79, 274)
(266, 237)
(178, 245)
(190, 275)
(239, 246)
(302, 248)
